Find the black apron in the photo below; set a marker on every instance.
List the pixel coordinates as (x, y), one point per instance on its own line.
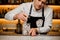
(32, 20)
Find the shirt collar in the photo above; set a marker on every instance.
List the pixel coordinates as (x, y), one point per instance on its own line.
(34, 8)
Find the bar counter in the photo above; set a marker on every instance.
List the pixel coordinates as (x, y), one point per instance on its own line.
(21, 37)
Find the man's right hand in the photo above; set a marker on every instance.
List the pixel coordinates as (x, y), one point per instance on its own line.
(22, 16)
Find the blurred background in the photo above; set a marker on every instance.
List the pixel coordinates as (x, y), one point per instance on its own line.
(10, 26)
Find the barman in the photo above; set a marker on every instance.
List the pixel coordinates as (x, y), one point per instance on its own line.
(36, 13)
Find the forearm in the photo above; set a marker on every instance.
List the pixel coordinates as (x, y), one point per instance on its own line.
(9, 16)
(15, 17)
(43, 29)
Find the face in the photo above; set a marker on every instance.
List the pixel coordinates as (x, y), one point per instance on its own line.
(38, 4)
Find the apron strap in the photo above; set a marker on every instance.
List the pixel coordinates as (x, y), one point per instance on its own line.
(30, 10)
(43, 18)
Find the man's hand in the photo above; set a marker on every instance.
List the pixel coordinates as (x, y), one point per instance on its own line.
(23, 16)
(33, 31)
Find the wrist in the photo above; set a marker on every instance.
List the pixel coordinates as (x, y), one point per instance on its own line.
(15, 17)
(36, 30)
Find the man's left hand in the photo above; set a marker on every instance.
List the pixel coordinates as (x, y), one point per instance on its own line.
(33, 31)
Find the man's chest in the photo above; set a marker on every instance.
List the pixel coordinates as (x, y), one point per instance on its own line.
(34, 13)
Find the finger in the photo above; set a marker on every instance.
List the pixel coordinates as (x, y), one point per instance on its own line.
(25, 18)
(30, 32)
(22, 17)
(25, 15)
(33, 34)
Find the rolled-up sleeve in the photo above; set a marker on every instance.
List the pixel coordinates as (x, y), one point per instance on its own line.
(47, 23)
(9, 15)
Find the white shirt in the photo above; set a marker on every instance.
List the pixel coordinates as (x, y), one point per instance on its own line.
(25, 7)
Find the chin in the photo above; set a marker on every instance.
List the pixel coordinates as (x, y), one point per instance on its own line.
(38, 8)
